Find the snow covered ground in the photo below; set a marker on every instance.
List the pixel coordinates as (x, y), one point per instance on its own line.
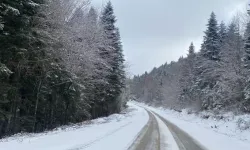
(119, 131)
(116, 132)
(213, 133)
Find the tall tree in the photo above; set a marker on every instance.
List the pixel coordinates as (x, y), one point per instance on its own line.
(17, 52)
(113, 53)
(207, 66)
(210, 47)
(191, 49)
(246, 104)
(187, 77)
(222, 33)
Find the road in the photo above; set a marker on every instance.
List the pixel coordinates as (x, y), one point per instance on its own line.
(150, 138)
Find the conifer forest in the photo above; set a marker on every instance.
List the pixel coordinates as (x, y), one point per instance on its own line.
(61, 62)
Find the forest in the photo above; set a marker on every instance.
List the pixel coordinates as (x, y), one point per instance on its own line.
(213, 78)
(61, 62)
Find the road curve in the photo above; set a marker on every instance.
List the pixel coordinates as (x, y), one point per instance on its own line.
(149, 137)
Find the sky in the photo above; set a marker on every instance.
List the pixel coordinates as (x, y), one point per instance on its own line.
(158, 31)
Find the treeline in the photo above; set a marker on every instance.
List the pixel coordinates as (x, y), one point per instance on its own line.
(61, 62)
(215, 78)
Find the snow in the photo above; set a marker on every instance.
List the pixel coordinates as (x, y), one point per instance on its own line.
(4, 70)
(1, 25)
(213, 133)
(13, 10)
(33, 4)
(116, 132)
(167, 140)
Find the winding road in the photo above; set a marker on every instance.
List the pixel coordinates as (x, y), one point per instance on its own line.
(152, 136)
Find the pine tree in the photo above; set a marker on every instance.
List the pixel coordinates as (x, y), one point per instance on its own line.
(233, 49)
(18, 53)
(191, 50)
(92, 16)
(191, 59)
(247, 32)
(230, 83)
(246, 104)
(113, 52)
(222, 33)
(187, 76)
(211, 45)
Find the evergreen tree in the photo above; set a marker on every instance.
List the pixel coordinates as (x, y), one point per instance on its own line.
(187, 76)
(232, 80)
(191, 50)
(246, 104)
(18, 54)
(247, 32)
(211, 45)
(113, 53)
(92, 16)
(232, 51)
(222, 33)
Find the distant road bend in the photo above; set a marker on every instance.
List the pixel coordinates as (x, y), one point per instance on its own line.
(150, 137)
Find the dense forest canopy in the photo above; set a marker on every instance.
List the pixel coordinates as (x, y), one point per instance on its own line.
(61, 62)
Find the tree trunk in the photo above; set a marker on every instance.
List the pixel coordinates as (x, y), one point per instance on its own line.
(36, 105)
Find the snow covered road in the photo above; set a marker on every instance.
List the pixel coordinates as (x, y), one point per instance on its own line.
(160, 134)
(226, 135)
(149, 137)
(184, 140)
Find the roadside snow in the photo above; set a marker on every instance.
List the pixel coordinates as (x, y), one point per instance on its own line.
(214, 133)
(116, 132)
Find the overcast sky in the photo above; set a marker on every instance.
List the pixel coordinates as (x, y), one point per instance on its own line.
(158, 31)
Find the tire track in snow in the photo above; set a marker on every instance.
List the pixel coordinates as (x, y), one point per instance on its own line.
(86, 145)
(167, 140)
(154, 136)
(149, 136)
(172, 137)
(184, 140)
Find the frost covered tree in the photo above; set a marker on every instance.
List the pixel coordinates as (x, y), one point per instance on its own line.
(51, 70)
(246, 103)
(191, 50)
(187, 77)
(222, 33)
(208, 66)
(231, 77)
(114, 56)
(210, 47)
